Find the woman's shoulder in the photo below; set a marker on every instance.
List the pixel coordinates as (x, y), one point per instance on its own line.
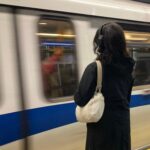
(91, 66)
(90, 69)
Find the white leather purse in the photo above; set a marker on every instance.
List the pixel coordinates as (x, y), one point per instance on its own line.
(93, 110)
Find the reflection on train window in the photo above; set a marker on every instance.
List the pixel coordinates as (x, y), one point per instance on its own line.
(139, 47)
(57, 48)
(142, 65)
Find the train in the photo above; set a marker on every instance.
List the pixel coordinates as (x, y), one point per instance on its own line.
(44, 49)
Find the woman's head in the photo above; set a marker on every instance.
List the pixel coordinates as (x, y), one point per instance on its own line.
(109, 41)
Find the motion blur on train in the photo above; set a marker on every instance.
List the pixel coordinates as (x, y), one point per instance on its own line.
(44, 49)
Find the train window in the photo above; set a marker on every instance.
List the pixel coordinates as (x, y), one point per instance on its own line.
(58, 59)
(139, 47)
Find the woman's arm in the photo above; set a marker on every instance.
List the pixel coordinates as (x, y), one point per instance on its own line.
(87, 85)
(130, 90)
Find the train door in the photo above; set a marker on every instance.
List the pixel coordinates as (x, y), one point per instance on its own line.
(48, 56)
(11, 118)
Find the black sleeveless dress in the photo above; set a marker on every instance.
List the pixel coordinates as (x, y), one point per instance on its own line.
(112, 132)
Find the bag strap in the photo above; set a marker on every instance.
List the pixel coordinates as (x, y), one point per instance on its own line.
(99, 76)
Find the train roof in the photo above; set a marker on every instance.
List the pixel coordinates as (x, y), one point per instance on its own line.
(119, 9)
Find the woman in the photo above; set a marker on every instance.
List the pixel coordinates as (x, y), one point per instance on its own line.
(112, 131)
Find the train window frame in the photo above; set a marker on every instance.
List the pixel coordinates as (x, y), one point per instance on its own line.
(135, 27)
(132, 45)
(1, 100)
(67, 20)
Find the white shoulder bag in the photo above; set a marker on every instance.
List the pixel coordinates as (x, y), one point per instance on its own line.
(93, 110)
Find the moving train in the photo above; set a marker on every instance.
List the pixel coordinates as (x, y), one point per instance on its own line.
(44, 49)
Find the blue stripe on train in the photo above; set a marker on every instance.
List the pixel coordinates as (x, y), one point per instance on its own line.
(39, 120)
(46, 118)
(139, 100)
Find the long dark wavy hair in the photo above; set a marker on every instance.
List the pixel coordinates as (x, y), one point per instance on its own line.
(109, 42)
